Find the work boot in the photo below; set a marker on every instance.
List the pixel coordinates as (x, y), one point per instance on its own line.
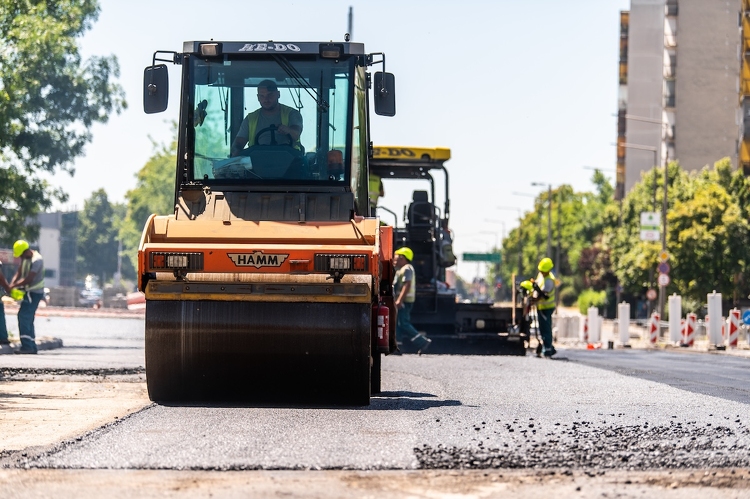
(425, 346)
(25, 351)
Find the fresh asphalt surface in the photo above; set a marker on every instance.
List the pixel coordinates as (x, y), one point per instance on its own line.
(605, 409)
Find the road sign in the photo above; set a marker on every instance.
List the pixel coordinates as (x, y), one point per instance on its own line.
(651, 294)
(482, 257)
(746, 316)
(663, 268)
(663, 280)
(663, 256)
(650, 226)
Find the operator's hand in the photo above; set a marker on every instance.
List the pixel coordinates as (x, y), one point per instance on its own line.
(284, 129)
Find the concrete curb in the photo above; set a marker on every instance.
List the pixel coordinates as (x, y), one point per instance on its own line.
(43, 343)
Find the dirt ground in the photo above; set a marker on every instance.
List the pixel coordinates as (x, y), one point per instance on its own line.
(41, 413)
(376, 485)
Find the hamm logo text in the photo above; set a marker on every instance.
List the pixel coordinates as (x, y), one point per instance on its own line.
(257, 259)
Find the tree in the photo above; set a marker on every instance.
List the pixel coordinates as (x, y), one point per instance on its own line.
(49, 99)
(154, 193)
(97, 237)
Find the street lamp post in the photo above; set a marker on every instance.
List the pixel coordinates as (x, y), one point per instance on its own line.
(520, 236)
(664, 204)
(549, 215)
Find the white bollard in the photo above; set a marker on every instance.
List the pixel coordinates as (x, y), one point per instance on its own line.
(623, 322)
(594, 325)
(715, 325)
(675, 316)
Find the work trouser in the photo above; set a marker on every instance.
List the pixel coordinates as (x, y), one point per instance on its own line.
(3, 325)
(26, 314)
(404, 328)
(545, 328)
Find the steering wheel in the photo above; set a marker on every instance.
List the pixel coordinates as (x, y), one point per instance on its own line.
(272, 130)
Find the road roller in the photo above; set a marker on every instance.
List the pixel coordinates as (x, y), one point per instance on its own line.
(271, 280)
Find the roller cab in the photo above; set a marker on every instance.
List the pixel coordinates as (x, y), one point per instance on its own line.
(268, 281)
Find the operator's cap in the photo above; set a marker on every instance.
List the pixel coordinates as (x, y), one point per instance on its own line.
(406, 252)
(546, 265)
(269, 85)
(19, 247)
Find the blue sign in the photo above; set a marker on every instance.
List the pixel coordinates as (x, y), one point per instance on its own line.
(746, 316)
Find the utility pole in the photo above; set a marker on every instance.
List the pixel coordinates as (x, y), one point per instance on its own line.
(549, 216)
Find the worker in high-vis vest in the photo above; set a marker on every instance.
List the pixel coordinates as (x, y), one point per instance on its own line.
(405, 293)
(257, 125)
(375, 191)
(28, 286)
(544, 294)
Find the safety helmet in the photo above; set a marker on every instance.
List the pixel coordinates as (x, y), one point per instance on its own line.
(19, 247)
(408, 253)
(546, 265)
(17, 294)
(527, 285)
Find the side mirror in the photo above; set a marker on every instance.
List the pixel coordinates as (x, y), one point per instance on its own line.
(155, 89)
(385, 94)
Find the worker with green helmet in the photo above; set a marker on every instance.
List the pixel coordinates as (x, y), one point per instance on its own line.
(3, 327)
(405, 293)
(29, 278)
(544, 289)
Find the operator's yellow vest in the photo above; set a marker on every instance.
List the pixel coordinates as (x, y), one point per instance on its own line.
(549, 302)
(252, 123)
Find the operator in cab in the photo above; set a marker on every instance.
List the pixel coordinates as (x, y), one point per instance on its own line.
(286, 120)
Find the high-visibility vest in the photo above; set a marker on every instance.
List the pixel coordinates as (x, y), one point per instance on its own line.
(26, 268)
(374, 188)
(399, 282)
(252, 123)
(548, 302)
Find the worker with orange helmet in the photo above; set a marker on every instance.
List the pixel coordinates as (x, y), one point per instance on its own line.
(405, 292)
(28, 285)
(544, 289)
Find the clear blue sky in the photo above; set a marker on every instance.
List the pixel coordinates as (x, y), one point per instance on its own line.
(520, 91)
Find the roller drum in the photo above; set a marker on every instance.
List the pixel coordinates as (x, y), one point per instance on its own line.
(257, 352)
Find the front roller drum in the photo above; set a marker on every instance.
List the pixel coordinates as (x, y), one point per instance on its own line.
(256, 352)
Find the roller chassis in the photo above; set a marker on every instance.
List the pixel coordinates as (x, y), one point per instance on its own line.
(261, 287)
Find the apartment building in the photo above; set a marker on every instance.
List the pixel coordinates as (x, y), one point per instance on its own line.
(679, 85)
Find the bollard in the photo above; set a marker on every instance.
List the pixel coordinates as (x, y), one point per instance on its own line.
(594, 325)
(714, 327)
(688, 337)
(675, 313)
(623, 323)
(733, 327)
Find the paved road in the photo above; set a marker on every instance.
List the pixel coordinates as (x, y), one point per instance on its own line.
(441, 412)
(718, 375)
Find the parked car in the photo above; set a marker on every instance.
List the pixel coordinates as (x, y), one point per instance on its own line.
(91, 295)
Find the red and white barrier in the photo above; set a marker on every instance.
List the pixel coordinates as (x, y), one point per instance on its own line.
(653, 328)
(688, 333)
(585, 336)
(734, 327)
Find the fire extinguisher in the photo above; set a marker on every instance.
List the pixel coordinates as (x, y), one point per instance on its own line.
(380, 314)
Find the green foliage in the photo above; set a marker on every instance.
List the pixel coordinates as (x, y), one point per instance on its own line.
(153, 194)
(98, 239)
(49, 98)
(591, 298)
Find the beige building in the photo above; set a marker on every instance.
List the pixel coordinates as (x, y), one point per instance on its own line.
(679, 97)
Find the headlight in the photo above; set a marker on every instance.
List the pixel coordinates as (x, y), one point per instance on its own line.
(176, 261)
(350, 263)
